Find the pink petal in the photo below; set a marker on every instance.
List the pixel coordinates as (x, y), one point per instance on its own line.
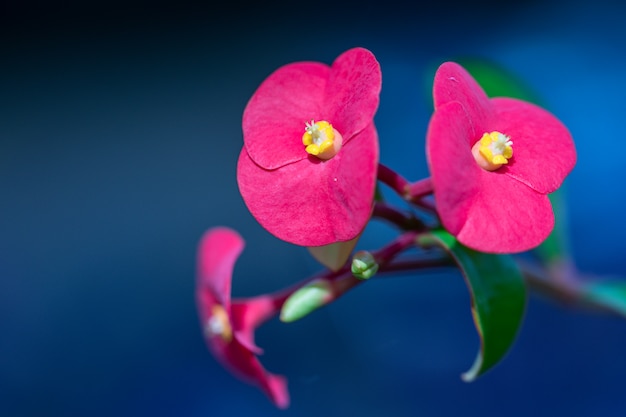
(543, 149)
(353, 91)
(506, 217)
(248, 314)
(455, 174)
(313, 202)
(486, 211)
(218, 251)
(240, 361)
(454, 83)
(276, 388)
(274, 118)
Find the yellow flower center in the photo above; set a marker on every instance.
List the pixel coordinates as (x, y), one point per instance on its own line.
(218, 324)
(321, 139)
(493, 150)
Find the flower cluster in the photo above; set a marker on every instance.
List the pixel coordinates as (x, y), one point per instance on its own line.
(309, 170)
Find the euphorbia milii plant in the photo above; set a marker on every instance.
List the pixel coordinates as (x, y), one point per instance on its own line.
(309, 170)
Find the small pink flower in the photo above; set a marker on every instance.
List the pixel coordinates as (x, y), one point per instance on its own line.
(229, 327)
(493, 161)
(307, 170)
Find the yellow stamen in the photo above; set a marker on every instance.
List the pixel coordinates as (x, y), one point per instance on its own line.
(218, 324)
(321, 139)
(493, 150)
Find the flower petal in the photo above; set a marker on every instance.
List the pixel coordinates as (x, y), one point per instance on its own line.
(353, 91)
(275, 116)
(454, 83)
(506, 217)
(455, 174)
(243, 363)
(313, 202)
(486, 211)
(250, 313)
(543, 149)
(218, 251)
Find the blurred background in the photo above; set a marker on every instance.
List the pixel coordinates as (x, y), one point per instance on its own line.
(120, 127)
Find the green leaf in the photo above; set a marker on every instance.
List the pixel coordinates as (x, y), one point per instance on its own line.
(498, 295)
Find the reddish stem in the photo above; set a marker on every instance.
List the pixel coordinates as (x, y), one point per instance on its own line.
(414, 193)
(396, 217)
(345, 281)
(393, 180)
(419, 189)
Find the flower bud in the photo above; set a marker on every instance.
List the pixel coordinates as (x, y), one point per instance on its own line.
(364, 265)
(306, 300)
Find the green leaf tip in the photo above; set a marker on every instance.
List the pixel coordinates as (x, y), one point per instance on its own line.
(498, 295)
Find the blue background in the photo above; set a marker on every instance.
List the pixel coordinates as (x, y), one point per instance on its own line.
(119, 134)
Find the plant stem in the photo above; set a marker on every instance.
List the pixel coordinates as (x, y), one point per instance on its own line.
(342, 281)
(414, 193)
(396, 217)
(420, 189)
(393, 180)
(345, 281)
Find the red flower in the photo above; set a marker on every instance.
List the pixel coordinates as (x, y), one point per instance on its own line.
(229, 327)
(307, 170)
(493, 162)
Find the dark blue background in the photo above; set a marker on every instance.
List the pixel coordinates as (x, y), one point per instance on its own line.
(119, 134)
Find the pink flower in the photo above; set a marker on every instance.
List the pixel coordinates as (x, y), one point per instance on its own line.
(493, 162)
(229, 327)
(307, 170)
